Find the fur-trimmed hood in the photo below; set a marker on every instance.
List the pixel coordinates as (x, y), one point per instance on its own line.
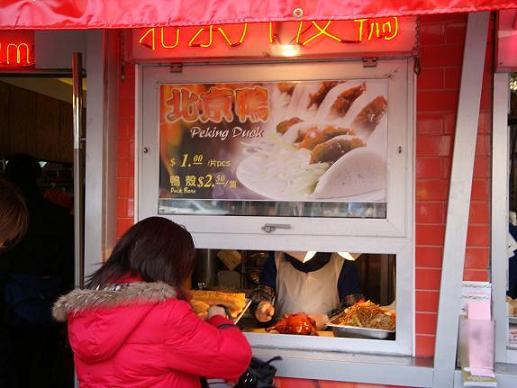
(100, 321)
(114, 296)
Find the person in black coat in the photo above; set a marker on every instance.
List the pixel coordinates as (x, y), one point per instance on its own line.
(33, 274)
(13, 224)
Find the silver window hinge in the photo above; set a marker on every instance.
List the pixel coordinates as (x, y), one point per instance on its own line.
(176, 68)
(370, 61)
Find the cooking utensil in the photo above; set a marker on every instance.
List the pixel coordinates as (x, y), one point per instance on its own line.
(246, 306)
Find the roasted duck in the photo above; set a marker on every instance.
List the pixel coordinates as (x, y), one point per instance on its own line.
(315, 136)
(335, 148)
(283, 126)
(286, 87)
(370, 116)
(300, 324)
(318, 97)
(345, 100)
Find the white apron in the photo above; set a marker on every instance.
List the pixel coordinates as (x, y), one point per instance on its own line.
(312, 292)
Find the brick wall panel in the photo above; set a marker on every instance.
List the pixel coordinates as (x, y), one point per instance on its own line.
(476, 275)
(429, 256)
(442, 56)
(431, 79)
(427, 279)
(425, 323)
(432, 190)
(430, 167)
(429, 124)
(477, 258)
(430, 213)
(442, 100)
(427, 301)
(432, 34)
(424, 345)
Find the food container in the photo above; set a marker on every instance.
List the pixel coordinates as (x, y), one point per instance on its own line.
(361, 332)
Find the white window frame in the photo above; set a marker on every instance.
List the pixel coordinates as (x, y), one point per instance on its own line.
(399, 119)
(500, 213)
(393, 235)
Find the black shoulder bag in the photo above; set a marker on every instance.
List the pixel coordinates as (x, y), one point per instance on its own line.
(260, 374)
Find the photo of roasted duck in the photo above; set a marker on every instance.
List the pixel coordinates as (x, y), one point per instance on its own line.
(370, 116)
(202, 300)
(286, 87)
(318, 97)
(300, 324)
(283, 126)
(330, 137)
(335, 148)
(368, 315)
(314, 136)
(345, 100)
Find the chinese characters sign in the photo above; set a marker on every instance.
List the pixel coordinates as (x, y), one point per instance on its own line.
(16, 49)
(217, 104)
(310, 141)
(304, 38)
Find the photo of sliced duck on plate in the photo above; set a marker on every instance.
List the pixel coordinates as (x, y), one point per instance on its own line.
(326, 141)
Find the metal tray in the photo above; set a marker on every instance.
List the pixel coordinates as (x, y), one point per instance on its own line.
(360, 332)
(512, 319)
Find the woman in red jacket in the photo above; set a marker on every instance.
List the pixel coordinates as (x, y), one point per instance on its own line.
(133, 325)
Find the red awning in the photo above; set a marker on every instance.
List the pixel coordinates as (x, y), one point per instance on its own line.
(79, 14)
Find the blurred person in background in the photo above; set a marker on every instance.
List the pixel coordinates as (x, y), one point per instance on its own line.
(13, 215)
(34, 274)
(13, 224)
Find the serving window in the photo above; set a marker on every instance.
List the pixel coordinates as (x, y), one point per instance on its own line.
(283, 144)
(341, 300)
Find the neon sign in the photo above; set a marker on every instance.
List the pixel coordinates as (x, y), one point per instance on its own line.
(16, 49)
(275, 39)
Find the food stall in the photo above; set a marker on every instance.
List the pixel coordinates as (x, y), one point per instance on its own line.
(292, 127)
(280, 140)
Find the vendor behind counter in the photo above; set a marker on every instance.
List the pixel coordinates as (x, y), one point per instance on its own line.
(315, 283)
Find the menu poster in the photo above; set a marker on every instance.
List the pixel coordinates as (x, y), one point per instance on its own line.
(303, 141)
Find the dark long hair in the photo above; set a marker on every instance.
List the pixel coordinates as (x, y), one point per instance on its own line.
(156, 249)
(13, 215)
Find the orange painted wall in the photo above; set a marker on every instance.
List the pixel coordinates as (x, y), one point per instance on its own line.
(442, 42)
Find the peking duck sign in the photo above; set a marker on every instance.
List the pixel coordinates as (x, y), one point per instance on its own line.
(297, 148)
(306, 148)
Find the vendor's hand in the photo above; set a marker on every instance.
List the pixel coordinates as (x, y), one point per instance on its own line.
(216, 310)
(320, 319)
(265, 311)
